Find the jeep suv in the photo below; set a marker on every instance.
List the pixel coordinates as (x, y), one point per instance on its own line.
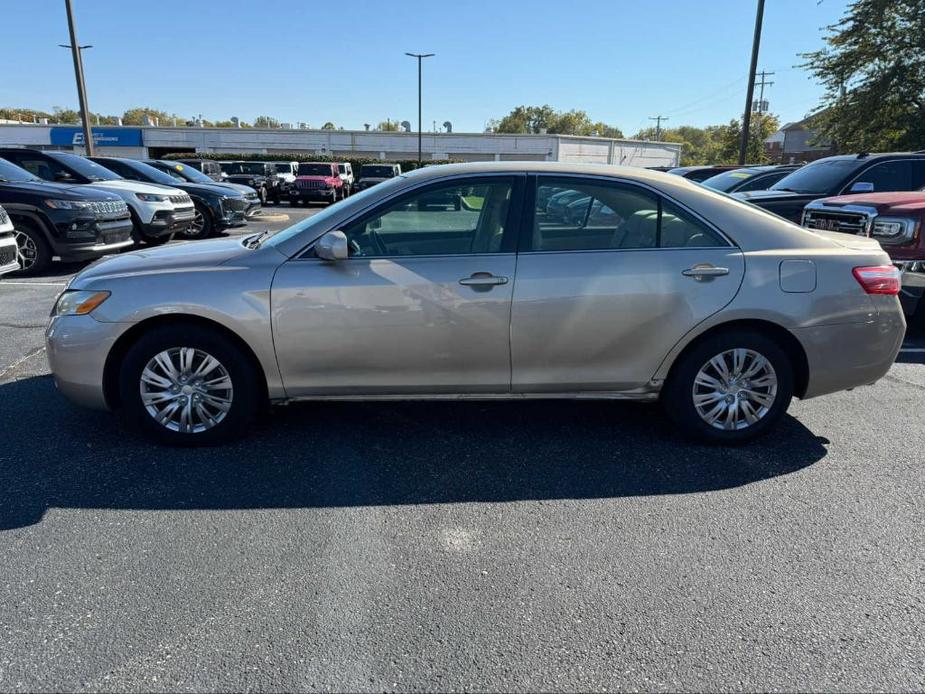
(319, 181)
(9, 256)
(181, 172)
(217, 208)
(345, 171)
(158, 212)
(72, 222)
(286, 171)
(896, 220)
(371, 174)
(841, 175)
(259, 175)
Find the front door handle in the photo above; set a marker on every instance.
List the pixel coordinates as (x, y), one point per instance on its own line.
(702, 272)
(482, 279)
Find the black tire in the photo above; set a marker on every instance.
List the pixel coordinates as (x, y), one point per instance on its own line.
(203, 224)
(295, 202)
(245, 391)
(677, 395)
(33, 251)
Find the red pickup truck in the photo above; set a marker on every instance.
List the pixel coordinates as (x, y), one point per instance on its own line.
(319, 181)
(896, 220)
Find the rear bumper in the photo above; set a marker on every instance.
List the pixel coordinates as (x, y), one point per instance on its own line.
(852, 354)
(77, 348)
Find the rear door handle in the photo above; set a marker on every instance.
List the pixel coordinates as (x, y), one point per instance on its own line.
(482, 279)
(700, 272)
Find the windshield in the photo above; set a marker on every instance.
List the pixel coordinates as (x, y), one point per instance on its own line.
(283, 168)
(314, 169)
(728, 180)
(84, 167)
(823, 177)
(230, 166)
(252, 168)
(10, 173)
(152, 174)
(186, 173)
(321, 219)
(377, 171)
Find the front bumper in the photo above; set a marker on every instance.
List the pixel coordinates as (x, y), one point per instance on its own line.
(8, 255)
(77, 348)
(83, 239)
(166, 222)
(312, 193)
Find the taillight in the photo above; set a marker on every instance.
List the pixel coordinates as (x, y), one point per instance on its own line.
(878, 279)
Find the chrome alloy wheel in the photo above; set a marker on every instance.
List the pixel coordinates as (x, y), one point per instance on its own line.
(195, 227)
(186, 390)
(735, 389)
(26, 249)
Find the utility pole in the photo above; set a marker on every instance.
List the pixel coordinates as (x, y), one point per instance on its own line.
(76, 49)
(762, 84)
(420, 57)
(658, 125)
(747, 117)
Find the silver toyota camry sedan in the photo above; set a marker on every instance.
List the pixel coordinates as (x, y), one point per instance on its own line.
(501, 280)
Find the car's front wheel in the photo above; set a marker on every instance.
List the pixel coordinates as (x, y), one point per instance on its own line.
(188, 386)
(201, 226)
(32, 250)
(730, 387)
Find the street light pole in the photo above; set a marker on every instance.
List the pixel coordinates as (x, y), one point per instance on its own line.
(76, 49)
(747, 116)
(420, 57)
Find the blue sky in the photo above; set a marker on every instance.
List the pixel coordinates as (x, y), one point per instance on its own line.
(620, 61)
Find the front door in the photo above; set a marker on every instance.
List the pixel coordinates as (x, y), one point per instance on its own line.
(422, 305)
(611, 276)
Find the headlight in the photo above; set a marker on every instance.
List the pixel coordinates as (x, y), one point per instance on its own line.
(78, 302)
(150, 197)
(891, 230)
(69, 204)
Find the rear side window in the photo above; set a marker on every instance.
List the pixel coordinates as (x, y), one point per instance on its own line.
(888, 176)
(572, 215)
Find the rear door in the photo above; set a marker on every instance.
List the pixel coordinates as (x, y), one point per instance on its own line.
(601, 298)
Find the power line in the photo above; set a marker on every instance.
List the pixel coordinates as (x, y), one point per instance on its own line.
(764, 74)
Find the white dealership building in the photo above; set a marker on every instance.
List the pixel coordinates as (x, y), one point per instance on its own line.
(154, 142)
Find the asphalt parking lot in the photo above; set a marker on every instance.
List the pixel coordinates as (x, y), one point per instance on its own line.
(457, 546)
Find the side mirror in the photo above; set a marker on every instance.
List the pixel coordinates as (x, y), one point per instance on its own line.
(332, 246)
(862, 187)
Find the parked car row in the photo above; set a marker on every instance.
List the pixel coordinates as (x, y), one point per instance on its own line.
(881, 196)
(66, 206)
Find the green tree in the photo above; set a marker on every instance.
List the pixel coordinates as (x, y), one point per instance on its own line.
(64, 115)
(329, 126)
(136, 116)
(538, 119)
(265, 122)
(873, 71)
(389, 126)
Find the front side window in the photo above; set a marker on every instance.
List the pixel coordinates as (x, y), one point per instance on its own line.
(442, 219)
(574, 215)
(761, 182)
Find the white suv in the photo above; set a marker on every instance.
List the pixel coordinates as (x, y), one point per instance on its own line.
(346, 175)
(286, 171)
(158, 212)
(9, 254)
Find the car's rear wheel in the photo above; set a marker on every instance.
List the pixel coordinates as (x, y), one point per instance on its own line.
(730, 387)
(32, 251)
(188, 386)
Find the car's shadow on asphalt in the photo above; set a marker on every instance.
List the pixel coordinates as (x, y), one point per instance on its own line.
(351, 454)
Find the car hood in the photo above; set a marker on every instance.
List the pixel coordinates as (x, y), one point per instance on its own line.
(136, 187)
(209, 189)
(376, 179)
(179, 257)
(239, 187)
(68, 191)
(892, 203)
(243, 176)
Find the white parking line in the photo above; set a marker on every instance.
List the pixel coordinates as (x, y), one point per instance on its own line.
(914, 350)
(34, 284)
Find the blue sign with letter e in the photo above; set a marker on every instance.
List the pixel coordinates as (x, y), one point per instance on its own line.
(73, 136)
